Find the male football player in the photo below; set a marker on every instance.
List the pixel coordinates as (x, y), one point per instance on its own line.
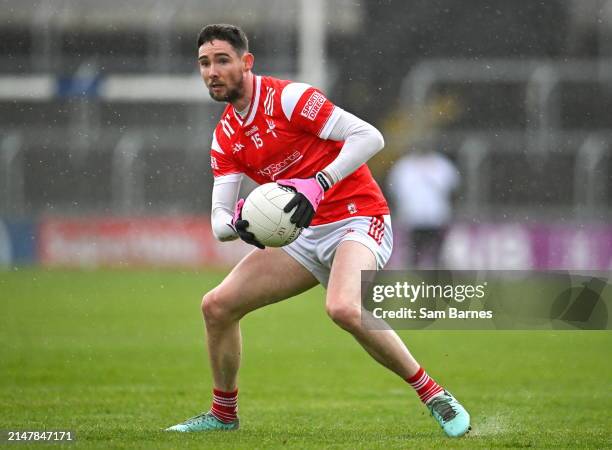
(286, 132)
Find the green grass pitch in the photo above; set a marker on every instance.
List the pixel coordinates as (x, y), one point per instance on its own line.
(119, 355)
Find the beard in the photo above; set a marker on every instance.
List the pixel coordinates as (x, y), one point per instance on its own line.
(231, 94)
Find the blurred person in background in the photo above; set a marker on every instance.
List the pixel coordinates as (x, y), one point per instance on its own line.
(422, 185)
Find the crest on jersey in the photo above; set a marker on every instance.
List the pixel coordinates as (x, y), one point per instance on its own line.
(352, 209)
(271, 127)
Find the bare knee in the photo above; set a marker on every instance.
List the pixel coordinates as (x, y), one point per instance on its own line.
(347, 317)
(215, 308)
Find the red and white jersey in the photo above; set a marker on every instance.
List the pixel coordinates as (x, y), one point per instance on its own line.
(284, 135)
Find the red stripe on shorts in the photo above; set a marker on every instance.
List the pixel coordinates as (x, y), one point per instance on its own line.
(377, 229)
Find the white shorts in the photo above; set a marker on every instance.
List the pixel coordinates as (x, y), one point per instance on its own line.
(316, 246)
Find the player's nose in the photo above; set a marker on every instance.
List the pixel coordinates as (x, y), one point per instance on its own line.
(212, 71)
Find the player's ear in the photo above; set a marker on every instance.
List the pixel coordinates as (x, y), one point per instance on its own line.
(248, 59)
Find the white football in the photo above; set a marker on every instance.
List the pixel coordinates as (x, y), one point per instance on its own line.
(263, 209)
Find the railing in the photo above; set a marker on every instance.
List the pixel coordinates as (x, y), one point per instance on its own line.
(541, 80)
(590, 177)
(543, 134)
(471, 156)
(127, 175)
(590, 180)
(144, 172)
(11, 175)
(126, 144)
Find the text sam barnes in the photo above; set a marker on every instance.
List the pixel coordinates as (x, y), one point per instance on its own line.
(425, 313)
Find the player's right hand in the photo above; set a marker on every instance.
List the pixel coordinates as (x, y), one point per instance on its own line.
(241, 226)
(308, 194)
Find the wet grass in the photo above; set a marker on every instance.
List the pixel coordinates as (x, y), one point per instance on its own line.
(117, 356)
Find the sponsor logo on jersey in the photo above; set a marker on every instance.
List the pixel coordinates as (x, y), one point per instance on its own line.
(237, 147)
(251, 130)
(313, 105)
(275, 169)
(348, 231)
(323, 181)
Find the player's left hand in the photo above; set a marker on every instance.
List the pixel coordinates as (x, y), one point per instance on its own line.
(309, 193)
(240, 226)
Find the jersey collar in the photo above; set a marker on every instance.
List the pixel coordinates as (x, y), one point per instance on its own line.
(254, 103)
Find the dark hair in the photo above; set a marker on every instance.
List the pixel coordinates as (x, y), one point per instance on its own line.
(224, 32)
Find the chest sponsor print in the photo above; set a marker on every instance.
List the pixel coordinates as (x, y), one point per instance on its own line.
(276, 168)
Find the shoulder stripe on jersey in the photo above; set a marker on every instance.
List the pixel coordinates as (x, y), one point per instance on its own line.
(269, 101)
(255, 102)
(215, 144)
(290, 96)
(331, 121)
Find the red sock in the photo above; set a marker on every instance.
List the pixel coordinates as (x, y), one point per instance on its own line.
(425, 387)
(225, 405)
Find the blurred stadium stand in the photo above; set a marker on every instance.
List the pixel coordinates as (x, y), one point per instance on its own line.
(533, 135)
(102, 110)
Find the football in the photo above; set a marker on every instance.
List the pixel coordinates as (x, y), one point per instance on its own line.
(263, 209)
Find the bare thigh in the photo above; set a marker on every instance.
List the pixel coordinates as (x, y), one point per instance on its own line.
(344, 288)
(261, 278)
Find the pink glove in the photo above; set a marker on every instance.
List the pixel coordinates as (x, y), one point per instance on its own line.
(237, 211)
(240, 226)
(309, 194)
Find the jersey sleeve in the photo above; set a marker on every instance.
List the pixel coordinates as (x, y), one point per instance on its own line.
(308, 109)
(221, 160)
